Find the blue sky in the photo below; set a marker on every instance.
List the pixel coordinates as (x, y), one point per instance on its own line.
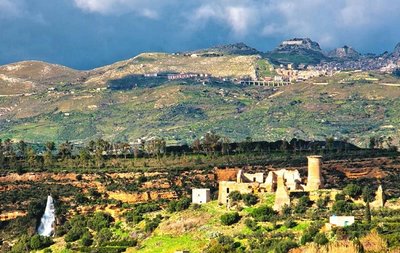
(84, 34)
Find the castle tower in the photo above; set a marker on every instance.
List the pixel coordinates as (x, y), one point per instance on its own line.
(314, 180)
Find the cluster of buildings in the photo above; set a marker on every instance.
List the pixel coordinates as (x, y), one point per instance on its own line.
(283, 183)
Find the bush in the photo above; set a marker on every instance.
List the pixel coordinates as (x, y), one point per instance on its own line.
(230, 218)
(39, 242)
(340, 196)
(353, 190)
(342, 207)
(251, 224)
(75, 233)
(263, 213)
(103, 236)
(249, 199)
(235, 196)
(302, 205)
(100, 220)
(320, 239)
(285, 245)
(180, 205)
(86, 239)
(290, 223)
(151, 225)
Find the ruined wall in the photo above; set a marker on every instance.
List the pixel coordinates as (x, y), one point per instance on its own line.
(226, 187)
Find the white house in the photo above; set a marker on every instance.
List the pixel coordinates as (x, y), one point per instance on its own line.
(200, 196)
(341, 221)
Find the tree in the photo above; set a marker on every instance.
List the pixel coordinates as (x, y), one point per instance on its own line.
(65, 149)
(372, 142)
(302, 205)
(84, 157)
(353, 190)
(211, 142)
(342, 207)
(367, 215)
(249, 199)
(50, 146)
(31, 156)
(196, 146)
(86, 239)
(263, 213)
(368, 194)
(230, 218)
(329, 143)
(22, 148)
(235, 196)
(48, 158)
(321, 239)
(225, 146)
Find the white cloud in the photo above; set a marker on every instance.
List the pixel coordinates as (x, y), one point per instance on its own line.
(10, 8)
(145, 8)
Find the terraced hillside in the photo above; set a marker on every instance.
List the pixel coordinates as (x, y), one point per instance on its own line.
(50, 102)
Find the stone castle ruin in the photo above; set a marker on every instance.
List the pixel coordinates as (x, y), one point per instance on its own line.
(283, 183)
(280, 182)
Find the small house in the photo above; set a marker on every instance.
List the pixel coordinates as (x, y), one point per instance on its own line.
(341, 221)
(200, 196)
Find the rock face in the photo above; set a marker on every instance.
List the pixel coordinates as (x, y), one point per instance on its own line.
(344, 52)
(396, 52)
(297, 51)
(229, 49)
(298, 44)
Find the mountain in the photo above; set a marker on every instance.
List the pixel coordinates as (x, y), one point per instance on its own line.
(45, 102)
(33, 76)
(230, 49)
(396, 52)
(297, 51)
(344, 53)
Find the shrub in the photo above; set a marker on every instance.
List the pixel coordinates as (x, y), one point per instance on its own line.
(302, 205)
(251, 224)
(230, 218)
(340, 196)
(368, 194)
(235, 196)
(285, 245)
(263, 213)
(86, 239)
(290, 223)
(151, 225)
(320, 239)
(99, 220)
(249, 199)
(353, 190)
(39, 242)
(75, 233)
(103, 236)
(342, 207)
(180, 205)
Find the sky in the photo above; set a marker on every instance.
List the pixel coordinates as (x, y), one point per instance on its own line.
(85, 34)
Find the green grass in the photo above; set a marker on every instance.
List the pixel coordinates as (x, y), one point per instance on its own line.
(170, 244)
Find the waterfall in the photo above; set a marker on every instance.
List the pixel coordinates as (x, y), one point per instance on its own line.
(46, 227)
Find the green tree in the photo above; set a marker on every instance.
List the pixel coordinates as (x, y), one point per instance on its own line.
(86, 239)
(368, 194)
(211, 142)
(48, 159)
(367, 214)
(263, 213)
(353, 190)
(342, 207)
(31, 156)
(320, 238)
(229, 218)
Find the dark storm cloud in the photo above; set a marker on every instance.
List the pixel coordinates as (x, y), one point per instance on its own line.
(89, 33)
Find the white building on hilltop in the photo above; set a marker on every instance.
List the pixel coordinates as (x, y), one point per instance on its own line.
(200, 196)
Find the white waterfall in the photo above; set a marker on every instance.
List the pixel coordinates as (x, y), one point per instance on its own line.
(46, 227)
